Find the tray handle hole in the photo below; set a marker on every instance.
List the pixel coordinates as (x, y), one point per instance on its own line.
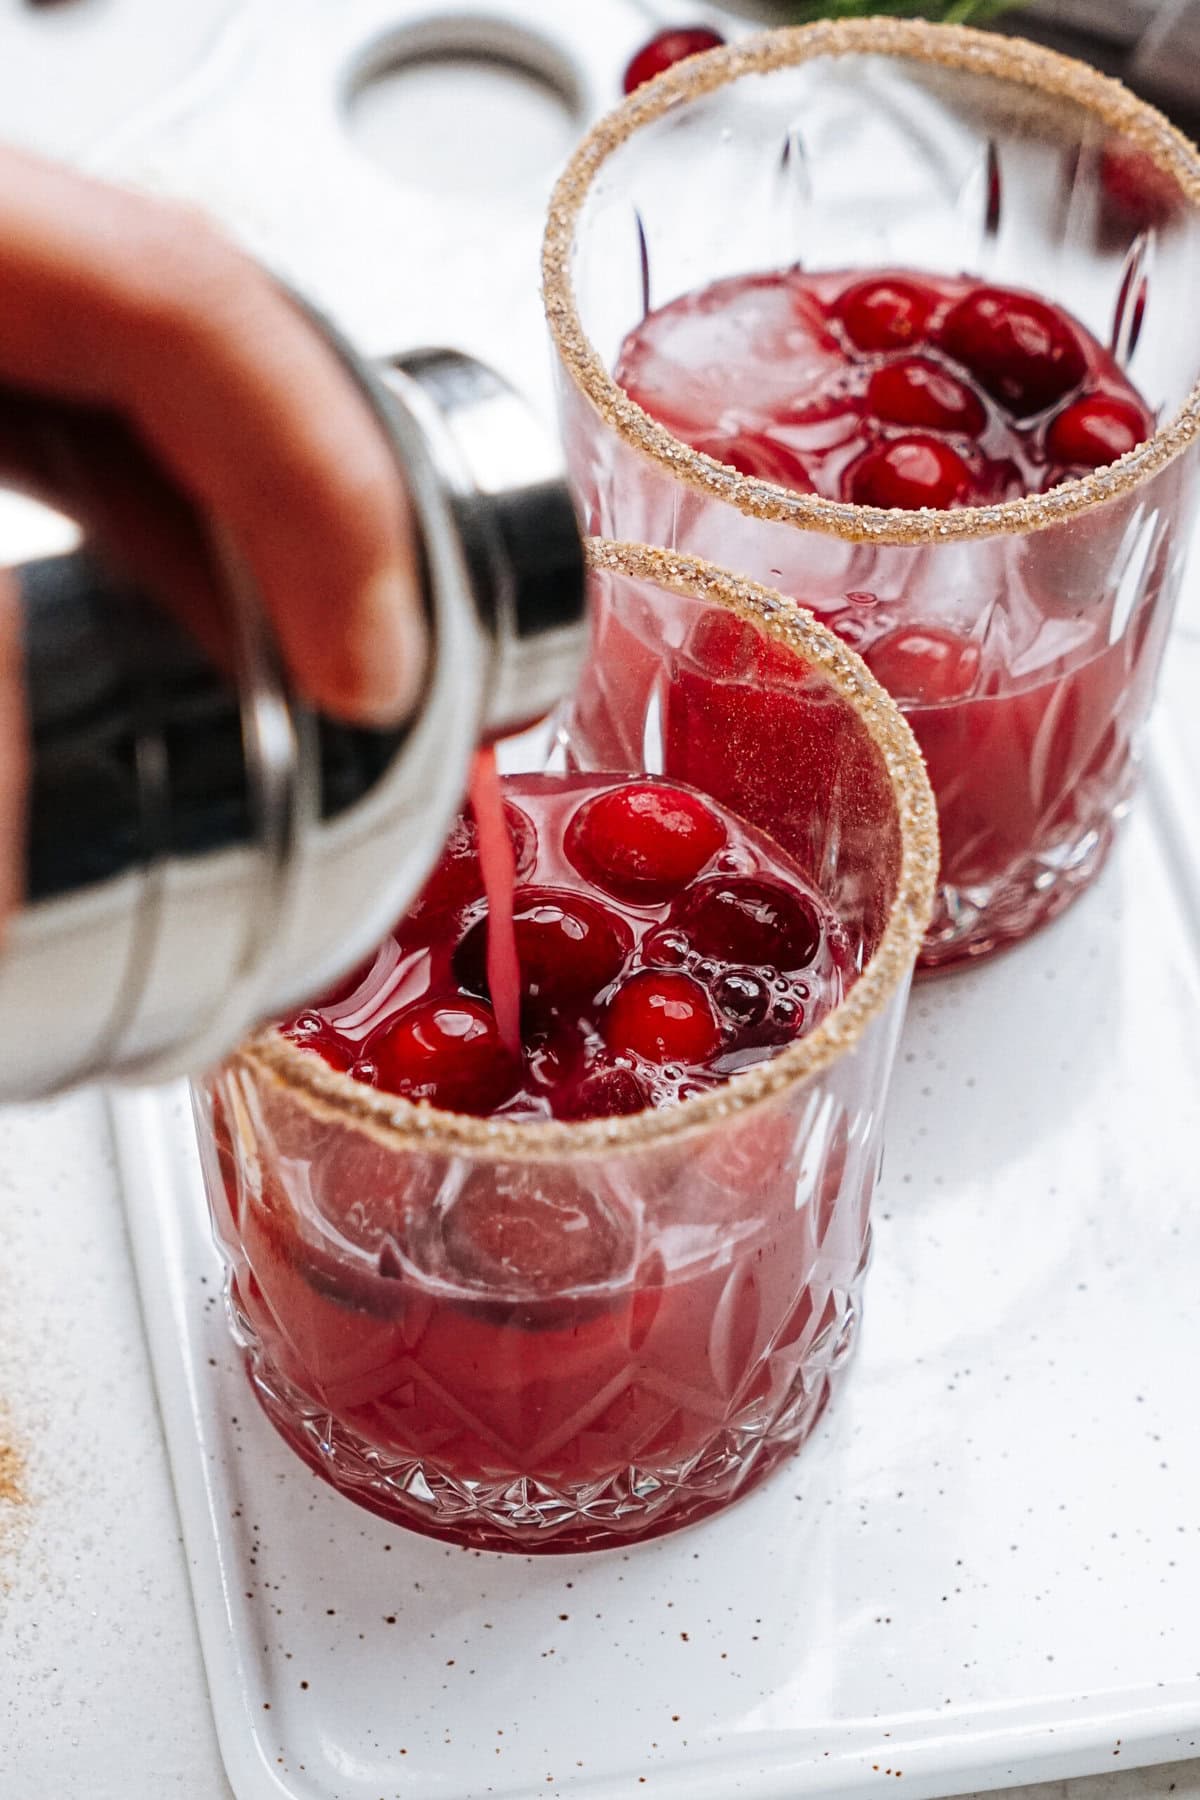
(463, 106)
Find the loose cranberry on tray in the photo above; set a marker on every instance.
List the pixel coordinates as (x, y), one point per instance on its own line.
(666, 49)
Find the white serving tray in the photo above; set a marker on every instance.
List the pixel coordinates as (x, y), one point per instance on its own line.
(982, 1570)
(259, 136)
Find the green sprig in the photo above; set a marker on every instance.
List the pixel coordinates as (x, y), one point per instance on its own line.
(953, 12)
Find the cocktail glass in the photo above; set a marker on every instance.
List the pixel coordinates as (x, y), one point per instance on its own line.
(884, 144)
(723, 1239)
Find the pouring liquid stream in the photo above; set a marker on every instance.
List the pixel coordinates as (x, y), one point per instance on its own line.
(498, 861)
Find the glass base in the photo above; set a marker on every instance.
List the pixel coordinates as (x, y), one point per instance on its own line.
(527, 1516)
(973, 921)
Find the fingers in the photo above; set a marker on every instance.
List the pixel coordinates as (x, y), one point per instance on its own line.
(128, 303)
(91, 467)
(14, 756)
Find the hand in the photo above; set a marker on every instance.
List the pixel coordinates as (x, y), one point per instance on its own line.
(192, 358)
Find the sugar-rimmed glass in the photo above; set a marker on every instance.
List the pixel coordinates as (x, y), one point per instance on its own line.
(880, 143)
(737, 1221)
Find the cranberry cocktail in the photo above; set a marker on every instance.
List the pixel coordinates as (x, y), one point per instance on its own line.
(897, 319)
(547, 1226)
(660, 946)
(514, 1326)
(896, 390)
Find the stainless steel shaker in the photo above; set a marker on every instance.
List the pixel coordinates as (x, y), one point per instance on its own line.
(205, 853)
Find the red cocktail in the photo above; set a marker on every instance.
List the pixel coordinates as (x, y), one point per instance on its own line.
(662, 945)
(970, 481)
(596, 1281)
(904, 391)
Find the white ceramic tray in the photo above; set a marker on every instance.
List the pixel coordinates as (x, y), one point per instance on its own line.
(982, 1570)
(259, 135)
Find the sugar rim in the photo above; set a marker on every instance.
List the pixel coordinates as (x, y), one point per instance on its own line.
(404, 1125)
(951, 46)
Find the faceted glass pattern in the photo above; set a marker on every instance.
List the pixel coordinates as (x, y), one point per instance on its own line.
(866, 162)
(717, 1293)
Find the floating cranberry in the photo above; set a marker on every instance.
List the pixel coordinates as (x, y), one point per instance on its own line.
(663, 1018)
(924, 665)
(909, 472)
(458, 878)
(886, 313)
(606, 1093)
(740, 919)
(1022, 350)
(645, 841)
(569, 949)
(449, 1053)
(916, 391)
(762, 457)
(1096, 429)
(624, 1004)
(534, 1231)
(667, 49)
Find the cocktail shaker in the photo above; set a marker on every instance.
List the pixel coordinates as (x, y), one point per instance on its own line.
(203, 851)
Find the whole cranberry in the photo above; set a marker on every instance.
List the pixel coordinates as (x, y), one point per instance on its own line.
(1096, 429)
(458, 878)
(569, 948)
(449, 1053)
(916, 391)
(909, 472)
(606, 1092)
(1021, 350)
(888, 312)
(645, 841)
(534, 1231)
(761, 457)
(925, 665)
(663, 1017)
(751, 922)
(667, 49)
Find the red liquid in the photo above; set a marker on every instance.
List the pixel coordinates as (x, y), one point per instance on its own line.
(499, 864)
(912, 391)
(639, 904)
(522, 1320)
(830, 372)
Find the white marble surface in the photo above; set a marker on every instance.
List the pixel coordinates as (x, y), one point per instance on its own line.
(102, 1694)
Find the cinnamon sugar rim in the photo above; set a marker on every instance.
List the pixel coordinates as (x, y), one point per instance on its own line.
(952, 47)
(401, 1124)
